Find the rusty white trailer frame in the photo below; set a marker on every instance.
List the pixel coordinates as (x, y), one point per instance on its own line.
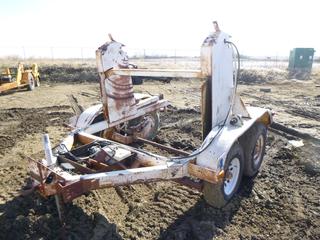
(228, 126)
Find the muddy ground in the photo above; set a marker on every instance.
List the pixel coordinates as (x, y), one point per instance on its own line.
(281, 202)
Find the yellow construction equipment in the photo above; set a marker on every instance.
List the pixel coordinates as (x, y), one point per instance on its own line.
(19, 77)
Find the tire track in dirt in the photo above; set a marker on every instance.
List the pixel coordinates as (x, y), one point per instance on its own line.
(166, 202)
(23, 122)
(281, 202)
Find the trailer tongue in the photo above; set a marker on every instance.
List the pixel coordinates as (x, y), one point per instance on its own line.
(234, 135)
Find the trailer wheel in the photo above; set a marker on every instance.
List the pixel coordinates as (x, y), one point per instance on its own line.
(149, 128)
(254, 148)
(37, 82)
(31, 82)
(217, 195)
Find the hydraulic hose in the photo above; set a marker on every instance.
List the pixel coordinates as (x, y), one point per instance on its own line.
(200, 150)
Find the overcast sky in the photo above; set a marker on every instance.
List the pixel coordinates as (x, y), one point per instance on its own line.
(258, 28)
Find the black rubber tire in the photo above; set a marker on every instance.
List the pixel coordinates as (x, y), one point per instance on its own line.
(214, 194)
(155, 128)
(37, 82)
(250, 140)
(31, 82)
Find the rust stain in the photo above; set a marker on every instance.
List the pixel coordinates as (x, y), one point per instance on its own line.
(203, 173)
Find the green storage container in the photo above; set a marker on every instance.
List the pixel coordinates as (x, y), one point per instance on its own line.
(300, 62)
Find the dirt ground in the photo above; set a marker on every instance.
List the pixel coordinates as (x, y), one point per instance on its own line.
(281, 202)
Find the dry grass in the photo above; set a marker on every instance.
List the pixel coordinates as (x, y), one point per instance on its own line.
(84, 70)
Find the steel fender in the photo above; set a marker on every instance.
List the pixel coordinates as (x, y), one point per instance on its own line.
(87, 116)
(96, 127)
(215, 151)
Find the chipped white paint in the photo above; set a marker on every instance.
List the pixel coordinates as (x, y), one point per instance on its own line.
(123, 177)
(87, 116)
(220, 146)
(216, 61)
(174, 73)
(223, 87)
(111, 55)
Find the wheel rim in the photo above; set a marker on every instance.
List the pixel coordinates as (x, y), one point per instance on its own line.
(148, 126)
(148, 129)
(232, 176)
(31, 81)
(258, 149)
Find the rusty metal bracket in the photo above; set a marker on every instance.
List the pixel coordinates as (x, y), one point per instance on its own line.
(204, 173)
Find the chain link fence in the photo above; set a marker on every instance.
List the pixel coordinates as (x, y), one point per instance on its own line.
(175, 56)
